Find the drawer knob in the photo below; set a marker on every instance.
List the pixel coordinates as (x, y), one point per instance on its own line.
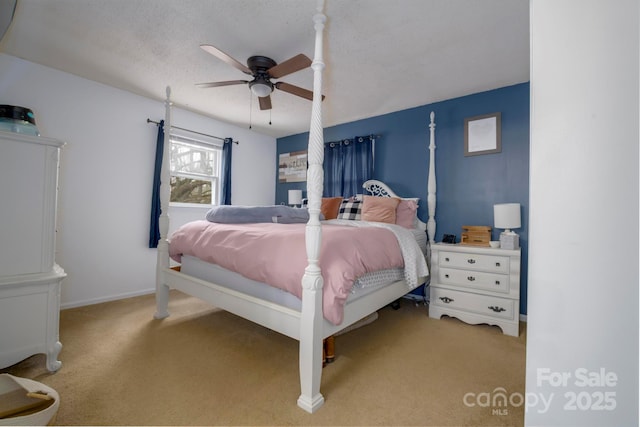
(496, 309)
(446, 300)
(497, 282)
(471, 261)
(471, 278)
(446, 275)
(446, 259)
(497, 264)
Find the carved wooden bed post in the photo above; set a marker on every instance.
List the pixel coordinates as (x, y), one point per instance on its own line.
(431, 181)
(308, 325)
(162, 289)
(311, 321)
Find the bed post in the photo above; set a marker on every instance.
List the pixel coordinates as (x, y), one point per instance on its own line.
(431, 182)
(162, 290)
(311, 318)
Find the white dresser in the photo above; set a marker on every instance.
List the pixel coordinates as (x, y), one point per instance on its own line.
(29, 276)
(476, 285)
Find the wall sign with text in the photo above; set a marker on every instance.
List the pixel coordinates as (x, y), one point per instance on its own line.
(292, 167)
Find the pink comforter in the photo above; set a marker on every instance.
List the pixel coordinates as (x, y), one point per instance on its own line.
(276, 254)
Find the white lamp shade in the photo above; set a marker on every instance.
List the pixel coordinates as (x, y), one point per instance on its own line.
(506, 215)
(295, 197)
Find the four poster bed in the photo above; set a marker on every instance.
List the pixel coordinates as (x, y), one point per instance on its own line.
(300, 313)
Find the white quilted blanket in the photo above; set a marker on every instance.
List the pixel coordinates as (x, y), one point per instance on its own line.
(415, 265)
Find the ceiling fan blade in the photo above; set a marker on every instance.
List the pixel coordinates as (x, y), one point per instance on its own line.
(225, 83)
(226, 58)
(265, 102)
(295, 90)
(289, 66)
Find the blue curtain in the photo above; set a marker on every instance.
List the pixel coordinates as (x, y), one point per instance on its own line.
(358, 165)
(333, 167)
(347, 165)
(225, 198)
(154, 229)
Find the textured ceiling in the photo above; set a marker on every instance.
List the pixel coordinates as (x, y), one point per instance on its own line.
(381, 55)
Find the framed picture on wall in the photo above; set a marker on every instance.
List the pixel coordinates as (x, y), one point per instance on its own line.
(292, 167)
(482, 135)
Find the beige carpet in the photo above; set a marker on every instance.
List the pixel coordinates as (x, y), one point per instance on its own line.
(202, 366)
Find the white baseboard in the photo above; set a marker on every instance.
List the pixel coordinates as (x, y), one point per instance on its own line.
(75, 304)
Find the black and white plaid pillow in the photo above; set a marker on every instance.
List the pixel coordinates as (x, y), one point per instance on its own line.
(350, 209)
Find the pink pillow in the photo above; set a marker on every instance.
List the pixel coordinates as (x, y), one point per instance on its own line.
(406, 213)
(379, 209)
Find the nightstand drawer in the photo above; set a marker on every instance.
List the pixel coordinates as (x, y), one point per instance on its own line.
(474, 279)
(473, 303)
(490, 263)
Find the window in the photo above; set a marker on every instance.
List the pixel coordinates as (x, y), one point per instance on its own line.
(195, 171)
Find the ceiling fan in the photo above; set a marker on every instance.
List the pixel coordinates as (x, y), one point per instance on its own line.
(263, 69)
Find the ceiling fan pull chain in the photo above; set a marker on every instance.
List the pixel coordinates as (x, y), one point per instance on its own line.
(270, 117)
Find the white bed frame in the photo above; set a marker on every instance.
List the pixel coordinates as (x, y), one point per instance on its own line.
(308, 326)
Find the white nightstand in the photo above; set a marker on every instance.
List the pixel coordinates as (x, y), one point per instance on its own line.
(476, 285)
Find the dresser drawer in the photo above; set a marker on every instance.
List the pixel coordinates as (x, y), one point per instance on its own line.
(490, 263)
(473, 303)
(474, 279)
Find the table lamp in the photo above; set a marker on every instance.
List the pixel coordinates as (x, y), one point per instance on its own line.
(507, 216)
(295, 197)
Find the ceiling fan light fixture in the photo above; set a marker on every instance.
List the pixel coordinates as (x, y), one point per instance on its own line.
(263, 69)
(261, 88)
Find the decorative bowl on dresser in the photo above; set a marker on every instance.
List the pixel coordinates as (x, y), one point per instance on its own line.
(476, 285)
(29, 276)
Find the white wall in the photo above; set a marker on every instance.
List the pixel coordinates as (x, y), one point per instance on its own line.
(107, 171)
(583, 239)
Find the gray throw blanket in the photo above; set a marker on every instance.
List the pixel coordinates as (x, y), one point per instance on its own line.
(229, 214)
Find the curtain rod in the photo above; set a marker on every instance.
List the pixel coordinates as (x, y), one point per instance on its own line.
(193, 131)
(340, 140)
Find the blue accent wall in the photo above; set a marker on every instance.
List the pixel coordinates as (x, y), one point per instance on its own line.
(467, 187)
